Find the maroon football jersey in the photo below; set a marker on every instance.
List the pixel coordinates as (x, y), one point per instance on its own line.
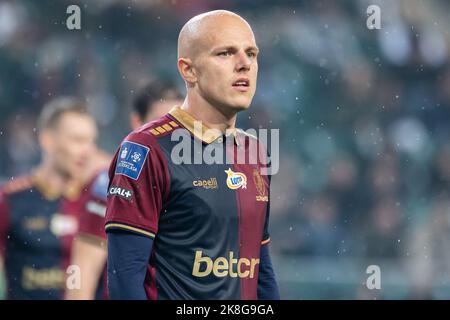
(208, 221)
(37, 227)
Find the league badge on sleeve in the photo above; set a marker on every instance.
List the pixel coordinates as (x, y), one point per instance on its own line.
(131, 159)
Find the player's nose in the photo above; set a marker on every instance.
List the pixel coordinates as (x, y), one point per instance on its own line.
(243, 62)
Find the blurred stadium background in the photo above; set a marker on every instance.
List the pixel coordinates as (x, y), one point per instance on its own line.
(364, 119)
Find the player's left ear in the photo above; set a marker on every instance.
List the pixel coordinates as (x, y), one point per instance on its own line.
(46, 140)
(187, 71)
(135, 120)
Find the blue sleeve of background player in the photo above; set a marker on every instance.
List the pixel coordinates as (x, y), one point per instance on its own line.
(99, 188)
(267, 284)
(128, 256)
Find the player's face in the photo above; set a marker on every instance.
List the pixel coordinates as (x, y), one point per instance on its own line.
(73, 143)
(227, 66)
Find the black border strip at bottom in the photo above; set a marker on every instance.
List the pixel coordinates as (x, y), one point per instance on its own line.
(287, 309)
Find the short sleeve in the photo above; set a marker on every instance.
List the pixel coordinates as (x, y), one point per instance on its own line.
(138, 184)
(92, 221)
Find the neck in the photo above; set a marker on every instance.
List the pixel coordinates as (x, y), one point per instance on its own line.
(53, 178)
(211, 116)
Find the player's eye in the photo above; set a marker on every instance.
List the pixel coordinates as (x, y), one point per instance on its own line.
(251, 54)
(224, 53)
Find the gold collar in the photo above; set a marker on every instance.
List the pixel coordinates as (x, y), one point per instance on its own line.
(202, 132)
(71, 192)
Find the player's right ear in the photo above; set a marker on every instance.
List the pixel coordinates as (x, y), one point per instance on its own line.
(187, 71)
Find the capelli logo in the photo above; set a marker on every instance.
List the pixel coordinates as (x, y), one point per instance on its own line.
(210, 183)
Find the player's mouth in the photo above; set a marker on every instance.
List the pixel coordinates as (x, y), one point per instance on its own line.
(81, 163)
(242, 84)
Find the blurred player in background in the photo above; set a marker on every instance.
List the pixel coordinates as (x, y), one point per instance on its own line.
(187, 230)
(89, 249)
(40, 213)
(153, 101)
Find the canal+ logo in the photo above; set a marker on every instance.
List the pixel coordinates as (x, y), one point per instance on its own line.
(236, 180)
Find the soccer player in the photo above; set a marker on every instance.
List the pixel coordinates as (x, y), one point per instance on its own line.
(183, 230)
(39, 213)
(88, 249)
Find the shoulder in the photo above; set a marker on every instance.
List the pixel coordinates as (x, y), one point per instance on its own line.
(151, 132)
(147, 141)
(257, 147)
(142, 144)
(17, 185)
(246, 134)
(250, 136)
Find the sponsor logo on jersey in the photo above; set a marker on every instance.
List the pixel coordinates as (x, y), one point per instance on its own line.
(35, 223)
(42, 279)
(120, 192)
(96, 208)
(236, 180)
(223, 266)
(260, 186)
(210, 183)
(63, 225)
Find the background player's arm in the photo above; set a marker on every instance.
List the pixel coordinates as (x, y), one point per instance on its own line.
(127, 264)
(89, 247)
(91, 259)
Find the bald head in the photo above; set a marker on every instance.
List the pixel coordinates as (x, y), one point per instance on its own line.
(217, 59)
(199, 31)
